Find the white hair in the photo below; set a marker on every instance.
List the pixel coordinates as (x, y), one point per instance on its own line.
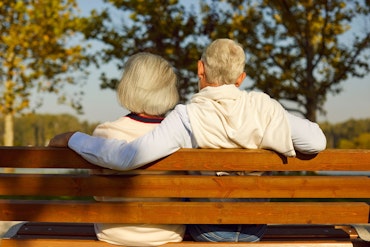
(224, 61)
(148, 85)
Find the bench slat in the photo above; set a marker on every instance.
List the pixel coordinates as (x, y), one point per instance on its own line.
(274, 232)
(187, 186)
(91, 243)
(279, 234)
(188, 212)
(30, 230)
(56, 230)
(206, 159)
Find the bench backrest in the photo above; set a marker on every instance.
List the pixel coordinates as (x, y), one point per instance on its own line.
(298, 195)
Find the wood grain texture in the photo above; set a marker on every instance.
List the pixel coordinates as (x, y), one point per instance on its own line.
(90, 243)
(185, 186)
(188, 212)
(206, 159)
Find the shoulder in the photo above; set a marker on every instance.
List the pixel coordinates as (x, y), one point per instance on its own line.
(122, 128)
(258, 95)
(178, 115)
(263, 101)
(111, 124)
(181, 110)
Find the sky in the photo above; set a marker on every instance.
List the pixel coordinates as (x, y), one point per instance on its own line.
(102, 105)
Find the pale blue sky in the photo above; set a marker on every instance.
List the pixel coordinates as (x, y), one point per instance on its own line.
(101, 105)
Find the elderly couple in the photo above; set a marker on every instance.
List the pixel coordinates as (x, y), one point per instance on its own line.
(220, 115)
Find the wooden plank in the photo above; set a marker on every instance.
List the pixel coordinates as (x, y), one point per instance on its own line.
(307, 232)
(92, 243)
(56, 230)
(41, 157)
(32, 230)
(280, 234)
(206, 159)
(188, 212)
(264, 160)
(267, 244)
(185, 186)
(52, 243)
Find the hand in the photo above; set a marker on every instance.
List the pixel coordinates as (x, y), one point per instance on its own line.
(60, 140)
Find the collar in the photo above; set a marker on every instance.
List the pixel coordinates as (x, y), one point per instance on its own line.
(144, 119)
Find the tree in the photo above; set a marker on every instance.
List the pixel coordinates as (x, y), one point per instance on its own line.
(340, 134)
(360, 142)
(38, 129)
(162, 27)
(40, 50)
(295, 49)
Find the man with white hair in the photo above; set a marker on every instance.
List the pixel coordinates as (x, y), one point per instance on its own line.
(220, 115)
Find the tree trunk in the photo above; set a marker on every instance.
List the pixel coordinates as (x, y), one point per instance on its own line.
(311, 110)
(8, 130)
(8, 135)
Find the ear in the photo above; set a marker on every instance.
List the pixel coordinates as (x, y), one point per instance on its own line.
(240, 79)
(200, 69)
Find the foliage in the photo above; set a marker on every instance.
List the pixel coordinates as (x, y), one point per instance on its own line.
(294, 47)
(38, 129)
(361, 141)
(40, 50)
(161, 27)
(349, 134)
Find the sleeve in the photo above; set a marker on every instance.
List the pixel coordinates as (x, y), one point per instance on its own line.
(307, 136)
(171, 135)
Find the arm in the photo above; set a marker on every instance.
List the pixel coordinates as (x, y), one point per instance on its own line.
(307, 136)
(172, 134)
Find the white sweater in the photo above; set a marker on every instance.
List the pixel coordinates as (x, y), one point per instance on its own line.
(226, 117)
(129, 128)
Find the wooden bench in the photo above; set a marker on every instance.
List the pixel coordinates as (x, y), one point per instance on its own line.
(306, 209)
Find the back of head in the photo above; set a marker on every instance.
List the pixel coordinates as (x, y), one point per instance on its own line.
(148, 85)
(224, 61)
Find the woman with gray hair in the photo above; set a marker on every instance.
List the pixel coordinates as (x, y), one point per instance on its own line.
(148, 89)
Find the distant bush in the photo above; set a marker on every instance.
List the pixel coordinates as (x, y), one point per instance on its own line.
(38, 129)
(349, 134)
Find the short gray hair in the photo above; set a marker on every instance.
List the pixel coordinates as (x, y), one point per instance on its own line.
(224, 61)
(148, 85)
